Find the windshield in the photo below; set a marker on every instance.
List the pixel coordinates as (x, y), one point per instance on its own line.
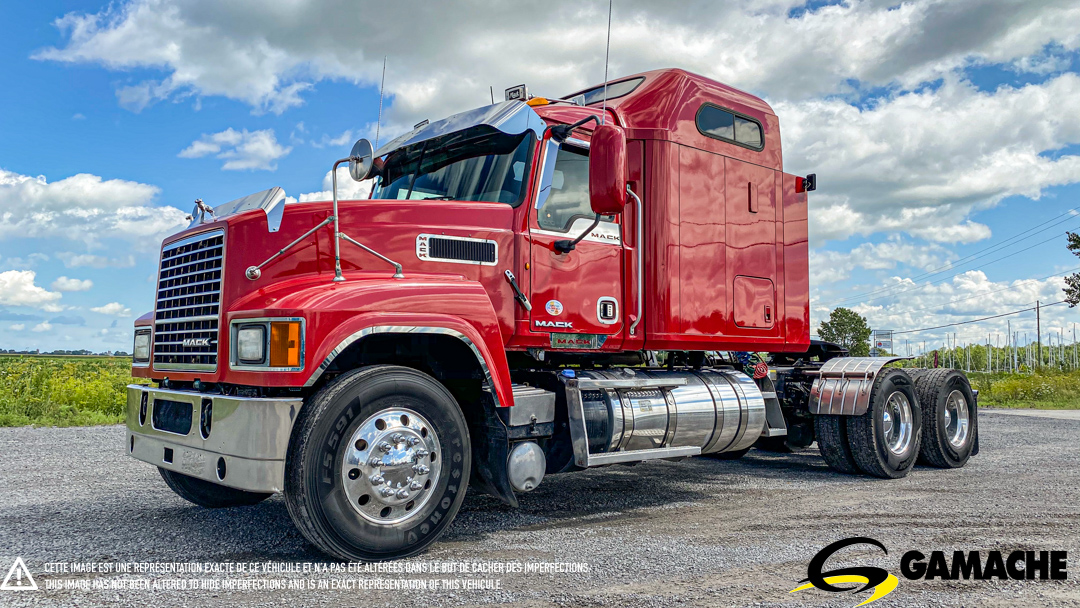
(477, 164)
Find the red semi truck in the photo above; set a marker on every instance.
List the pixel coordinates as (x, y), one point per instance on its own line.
(534, 287)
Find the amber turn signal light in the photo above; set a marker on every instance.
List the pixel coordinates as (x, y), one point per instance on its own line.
(285, 344)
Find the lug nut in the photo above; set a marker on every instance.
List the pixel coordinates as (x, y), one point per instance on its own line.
(397, 438)
(421, 453)
(403, 493)
(386, 492)
(421, 469)
(376, 479)
(413, 441)
(375, 462)
(386, 447)
(415, 486)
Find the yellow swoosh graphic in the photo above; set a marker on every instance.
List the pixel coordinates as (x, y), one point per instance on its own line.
(880, 591)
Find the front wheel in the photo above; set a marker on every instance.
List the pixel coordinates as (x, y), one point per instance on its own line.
(378, 464)
(209, 495)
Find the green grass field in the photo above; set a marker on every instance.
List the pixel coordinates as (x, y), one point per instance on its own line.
(62, 391)
(81, 391)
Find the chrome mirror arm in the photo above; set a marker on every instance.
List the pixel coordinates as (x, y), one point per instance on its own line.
(338, 234)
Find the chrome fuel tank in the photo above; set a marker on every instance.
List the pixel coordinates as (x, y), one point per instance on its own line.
(717, 410)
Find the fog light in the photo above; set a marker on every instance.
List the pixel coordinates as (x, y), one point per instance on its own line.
(251, 344)
(285, 344)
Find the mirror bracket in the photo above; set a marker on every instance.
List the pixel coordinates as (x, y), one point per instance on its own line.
(561, 132)
(566, 245)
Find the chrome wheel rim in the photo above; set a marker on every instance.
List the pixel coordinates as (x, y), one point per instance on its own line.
(957, 419)
(389, 469)
(896, 423)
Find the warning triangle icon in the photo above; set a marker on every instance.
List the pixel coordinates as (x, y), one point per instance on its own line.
(18, 578)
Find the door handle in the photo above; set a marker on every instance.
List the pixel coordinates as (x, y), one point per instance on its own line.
(768, 313)
(518, 295)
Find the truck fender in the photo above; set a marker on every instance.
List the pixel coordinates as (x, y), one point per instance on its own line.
(492, 360)
(843, 385)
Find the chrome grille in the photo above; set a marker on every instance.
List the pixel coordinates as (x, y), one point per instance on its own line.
(186, 317)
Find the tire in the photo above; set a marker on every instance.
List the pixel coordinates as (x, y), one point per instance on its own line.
(832, 440)
(209, 495)
(392, 423)
(950, 417)
(885, 440)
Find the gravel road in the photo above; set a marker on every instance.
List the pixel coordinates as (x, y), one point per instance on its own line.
(696, 533)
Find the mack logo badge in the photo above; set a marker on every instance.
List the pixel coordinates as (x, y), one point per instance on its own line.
(580, 341)
(196, 342)
(556, 324)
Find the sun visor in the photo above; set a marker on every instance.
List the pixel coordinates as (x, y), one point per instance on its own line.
(510, 117)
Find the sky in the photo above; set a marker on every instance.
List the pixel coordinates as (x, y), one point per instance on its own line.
(945, 134)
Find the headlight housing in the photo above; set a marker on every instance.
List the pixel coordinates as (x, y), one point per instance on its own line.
(270, 344)
(140, 353)
(251, 344)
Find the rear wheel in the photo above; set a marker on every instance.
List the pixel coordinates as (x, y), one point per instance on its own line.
(949, 417)
(832, 439)
(378, 464)
(885, 440)
(209, 495)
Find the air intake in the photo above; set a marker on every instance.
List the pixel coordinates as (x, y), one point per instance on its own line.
(456, 249)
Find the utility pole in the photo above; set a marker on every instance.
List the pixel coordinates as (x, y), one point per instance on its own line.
(1038, 333)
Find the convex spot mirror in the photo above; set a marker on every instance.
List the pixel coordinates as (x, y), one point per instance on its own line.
(361, 160)
(607, 170)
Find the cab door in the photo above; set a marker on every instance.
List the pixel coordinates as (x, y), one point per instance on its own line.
(577, 297)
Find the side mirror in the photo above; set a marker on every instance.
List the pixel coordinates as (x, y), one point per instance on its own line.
(607, 170)
(361, 160)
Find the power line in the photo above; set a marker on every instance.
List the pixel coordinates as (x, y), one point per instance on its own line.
(979, 295)
(1071, 213)
(1005, 314)
(943, 279)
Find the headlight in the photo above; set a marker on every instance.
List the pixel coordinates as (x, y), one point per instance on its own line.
(141, 352)
(251, 344)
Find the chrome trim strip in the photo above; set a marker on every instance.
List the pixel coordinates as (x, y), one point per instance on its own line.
(406, 329)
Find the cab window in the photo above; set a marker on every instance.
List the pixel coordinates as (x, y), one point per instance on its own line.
(569, 198)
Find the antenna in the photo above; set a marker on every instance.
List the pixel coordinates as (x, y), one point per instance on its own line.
(607, 53)
(382, 87)
(491, 89)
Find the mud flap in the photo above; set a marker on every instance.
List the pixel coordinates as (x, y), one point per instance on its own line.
(491, 448)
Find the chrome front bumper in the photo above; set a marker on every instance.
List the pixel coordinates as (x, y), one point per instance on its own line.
(247, 441)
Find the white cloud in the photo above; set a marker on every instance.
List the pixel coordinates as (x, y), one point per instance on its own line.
(923, 162)
(66, 284)
(970, 295)
(241, 150)
(30, 261)
(915, 162)
(82, 208)
(348, 189)
(113, 308)
(269, 55)
(17, 288)
(42, 327)
(86, 260)
(17, 326)
(832, 266)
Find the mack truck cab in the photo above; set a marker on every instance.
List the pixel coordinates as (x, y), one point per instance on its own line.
(534, 287)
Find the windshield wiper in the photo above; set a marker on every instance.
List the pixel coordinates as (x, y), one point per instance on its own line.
(438, 198)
